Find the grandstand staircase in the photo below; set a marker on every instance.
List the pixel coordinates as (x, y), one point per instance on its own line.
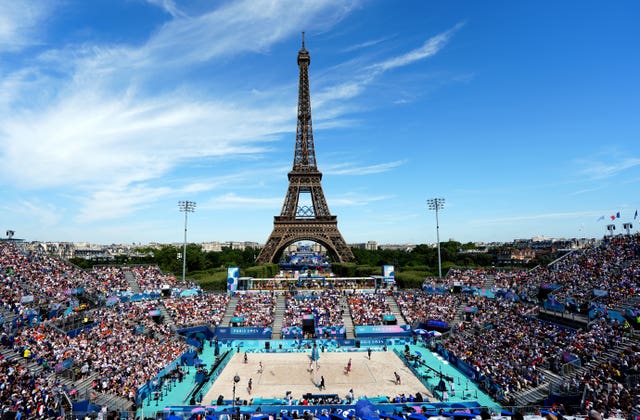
(606, 356)
(347, 319)
(133, 284)
(459, 314)
(16, 357)
(228, 313)
(278, 320)
(167, 319)
(489, 282)
(113, 402)
(531, 395)
(395, 309)
(7, 316)
(553, 382)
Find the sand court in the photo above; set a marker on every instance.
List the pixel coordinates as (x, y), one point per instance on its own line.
(283, 372)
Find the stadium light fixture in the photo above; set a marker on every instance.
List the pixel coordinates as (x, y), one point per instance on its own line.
(186, 207)
(437, 204)
(611, 228)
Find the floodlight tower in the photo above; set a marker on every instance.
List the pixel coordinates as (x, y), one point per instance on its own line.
(437, 204)
(627, 227)
(236, 379)
(611, 228)
(186, 207)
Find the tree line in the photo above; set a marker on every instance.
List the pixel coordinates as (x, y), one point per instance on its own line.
(411, 267)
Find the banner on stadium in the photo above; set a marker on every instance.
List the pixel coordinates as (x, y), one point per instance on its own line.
(434, 325)
(258, 333)
(382, 330)
(389, 274)
(233, 274)
(328, 332)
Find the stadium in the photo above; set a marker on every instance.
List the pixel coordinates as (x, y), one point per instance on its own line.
(132, 342)
(556, 341)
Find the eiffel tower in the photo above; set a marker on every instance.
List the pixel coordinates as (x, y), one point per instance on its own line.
(302, 220)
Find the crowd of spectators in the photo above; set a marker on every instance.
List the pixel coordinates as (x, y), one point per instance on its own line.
(419, 306)
(612, 267)
(109, 280)
(607, 386)
(24, 392)
(151, 279)
(121, 346)
(501, 339)
(207, 308)
(505, 344)
(368, 308)
(34, 281)
(324, 306)
(125, 349)
(256, 309)
(471, 277)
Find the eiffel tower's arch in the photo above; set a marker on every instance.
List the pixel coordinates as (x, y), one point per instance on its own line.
(300, 220)
(291, 239)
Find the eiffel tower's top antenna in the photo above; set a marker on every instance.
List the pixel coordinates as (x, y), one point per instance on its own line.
(305, 156)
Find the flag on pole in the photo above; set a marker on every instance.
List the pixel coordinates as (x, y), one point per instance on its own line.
(635, 216)
(618, 215)
(613, 217)
(602, 217)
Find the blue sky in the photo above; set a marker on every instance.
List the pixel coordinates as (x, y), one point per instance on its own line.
(524, 116)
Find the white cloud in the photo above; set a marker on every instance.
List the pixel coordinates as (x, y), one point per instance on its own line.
(364, 45)
(600, 170)
(108, 140)
(19, 22)
(41, 214)
(234, 201)
(541, 216)
(364, 75)
(94, 125)
(238, 27)
(430, 48)
(99, 122)
(168, 6)
(351, 169)
(356, 200)
(118, 201)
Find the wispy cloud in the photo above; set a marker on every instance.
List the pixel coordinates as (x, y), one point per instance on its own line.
(587, 190)
(234, 201)
(114, 202)
(352, 169)
(238, 27)
(541, 216)
(98, 140)
(42, 214)
(102, 123)
(168, 6)
(363, 45)
(99, 129)
(601, 169)
(430, 48)
(20, 22)
(365, 75)
(356, 200)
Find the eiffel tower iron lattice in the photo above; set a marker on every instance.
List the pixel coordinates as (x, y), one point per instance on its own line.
(308, 219)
